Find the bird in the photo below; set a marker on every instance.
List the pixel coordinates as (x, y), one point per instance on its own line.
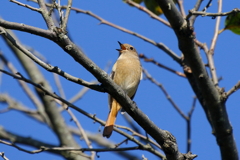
(126, 73)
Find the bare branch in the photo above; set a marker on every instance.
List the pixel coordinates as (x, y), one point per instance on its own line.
(80, 94)
(165, 93)
(68, 148)
(134, 133)
(68, 9)
(161, 65)
(29, 29)
(212, 48)
(213, 14)
(181, 7)
(150, 13)
(233, 89)
(189, 141)
(193, 17)
(25, 5)
(46, 15)
(207, 6)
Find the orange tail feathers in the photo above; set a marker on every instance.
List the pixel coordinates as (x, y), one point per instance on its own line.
(111, 119)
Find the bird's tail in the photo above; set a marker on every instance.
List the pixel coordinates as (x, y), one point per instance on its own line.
(115, 107)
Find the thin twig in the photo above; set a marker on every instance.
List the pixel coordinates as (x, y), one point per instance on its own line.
(213, 14)
(119, 144)
(165, 93)
(189, 141)
(207, 6)
(212, 48)
(25, 5)
(150, 13)
(134, 133)
(70, 148)
(233, 89)
(161, 65)
(181, 7)
(80, 94)
(193, 17)
(68, 9)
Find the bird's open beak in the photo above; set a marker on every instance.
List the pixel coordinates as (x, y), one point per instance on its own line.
(122, 47)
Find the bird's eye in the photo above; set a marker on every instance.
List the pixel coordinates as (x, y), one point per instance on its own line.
(131, 48)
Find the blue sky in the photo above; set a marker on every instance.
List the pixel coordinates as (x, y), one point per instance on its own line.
(99, 43)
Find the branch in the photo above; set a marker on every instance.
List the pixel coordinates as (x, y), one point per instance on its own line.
(161, 65)
(46, 15)
(191, 12)
(150, 13)
(189, 141)
(212, 48)
(29, 29)
(65, 20)
(68, 148)
(25, 5)
(233, 89)
(165, 93)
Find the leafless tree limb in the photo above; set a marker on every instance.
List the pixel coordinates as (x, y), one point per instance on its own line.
(161, 65)
(181, 7)
(71, 149)
(212, 47)
(25, 5)
(150, 13)
(233, 89)
(213, 14)
(165, 93)
(188, 120)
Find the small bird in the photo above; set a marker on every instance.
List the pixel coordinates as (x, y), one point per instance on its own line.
(127, 73)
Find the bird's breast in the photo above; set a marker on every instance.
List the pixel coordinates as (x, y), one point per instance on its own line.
(127, 75)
